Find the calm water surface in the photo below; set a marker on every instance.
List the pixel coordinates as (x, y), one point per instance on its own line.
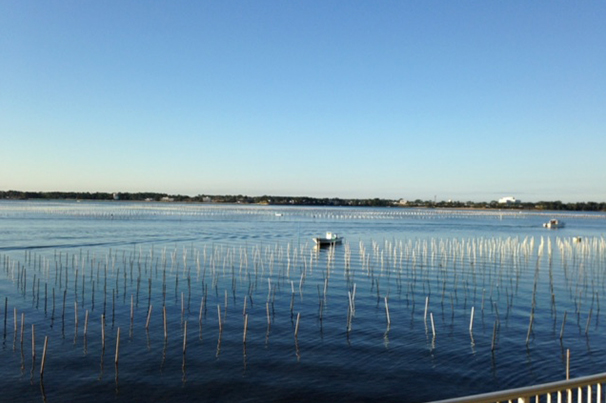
(62, 261)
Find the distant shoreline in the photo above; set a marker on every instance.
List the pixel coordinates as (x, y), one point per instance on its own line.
(301, 201)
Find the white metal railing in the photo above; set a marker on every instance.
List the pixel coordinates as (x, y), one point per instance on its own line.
(585, 389)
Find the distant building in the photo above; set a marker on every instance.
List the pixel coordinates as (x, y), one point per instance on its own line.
(402, 202)
(116, 196)
(509, 200)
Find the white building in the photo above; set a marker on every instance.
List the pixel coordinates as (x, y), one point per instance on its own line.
(509, 200)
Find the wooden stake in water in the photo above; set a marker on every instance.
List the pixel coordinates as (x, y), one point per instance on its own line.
(563, 324)
(529, 327)
(588, 321)
(567, 364)
(219, 314)
(103, 332)
(43, 357)
(387, 312)
(5, 314)
(22, 325)
(76, 317)
(117, 347)
(85, 323)
(426, 306)
(165, 329)
(297, 325)
(471, 321)
(201, 310)
(245, 328)
(148, 317)
(184, 337)
(494, 336)
(33, 344)
(433, 328)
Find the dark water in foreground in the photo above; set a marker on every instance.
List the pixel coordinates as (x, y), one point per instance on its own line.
(200, 260)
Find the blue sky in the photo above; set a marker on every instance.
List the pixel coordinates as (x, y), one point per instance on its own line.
(462, 100)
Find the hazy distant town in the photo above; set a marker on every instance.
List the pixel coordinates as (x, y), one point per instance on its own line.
(507, 202)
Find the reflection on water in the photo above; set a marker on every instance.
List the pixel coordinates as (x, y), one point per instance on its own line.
(415, 305)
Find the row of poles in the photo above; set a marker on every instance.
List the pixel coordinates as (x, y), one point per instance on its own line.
(351, 312)
(417, 262)
(448, 267)
(146, 210)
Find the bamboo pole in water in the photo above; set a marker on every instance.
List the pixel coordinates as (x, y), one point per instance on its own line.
(184, 337)
(588, 321)
(387, 312)
(494, 336)
(5, 314)
(22, 325)
(471, 321)
(201, 310)
(567, 364)
(297, 324)
(43, 357)
(148, 317)
(245, 328)
(529, 327)
(76, 317)
(219, 315)
(33, 344)
(165, 329)
(85, 323)
(117, 347)
(103, 332)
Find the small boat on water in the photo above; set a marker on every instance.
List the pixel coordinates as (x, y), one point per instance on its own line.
(330, 239)
(553, 224)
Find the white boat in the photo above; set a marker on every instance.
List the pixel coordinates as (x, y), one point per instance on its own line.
(553, 224)
(330, 239)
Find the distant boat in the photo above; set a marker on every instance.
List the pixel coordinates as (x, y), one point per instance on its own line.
(330, 239)
(553, 224)
(279, 214)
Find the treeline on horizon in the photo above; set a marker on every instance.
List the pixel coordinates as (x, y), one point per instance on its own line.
(298, 200)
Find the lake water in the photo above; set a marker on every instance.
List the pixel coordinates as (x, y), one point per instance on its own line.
(364, 312)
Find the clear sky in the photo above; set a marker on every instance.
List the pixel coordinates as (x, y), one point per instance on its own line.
(462, 100)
